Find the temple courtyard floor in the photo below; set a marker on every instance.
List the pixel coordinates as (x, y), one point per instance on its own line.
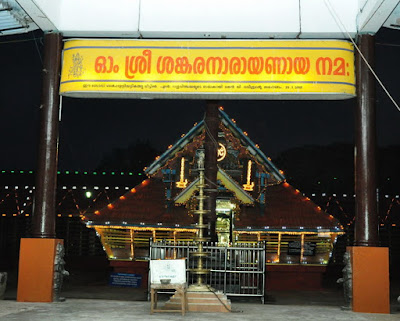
(99, 309)
(89, 297)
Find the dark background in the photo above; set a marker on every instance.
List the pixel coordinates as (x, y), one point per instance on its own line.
(93, 128)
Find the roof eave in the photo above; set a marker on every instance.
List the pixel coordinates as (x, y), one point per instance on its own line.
(159, 162)
(252, 148)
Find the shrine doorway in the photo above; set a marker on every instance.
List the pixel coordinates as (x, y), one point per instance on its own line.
(225, 212)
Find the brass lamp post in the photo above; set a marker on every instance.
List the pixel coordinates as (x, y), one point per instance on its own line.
(200, 238)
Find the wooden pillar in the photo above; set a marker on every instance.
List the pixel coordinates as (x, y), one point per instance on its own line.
(366, 222)
(43, 224)
(210, 164)
(369, 263)
(37, 255)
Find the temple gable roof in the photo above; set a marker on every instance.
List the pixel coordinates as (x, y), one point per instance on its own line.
(178, 146)
(262, 198)
(245, 141)
(251, 146)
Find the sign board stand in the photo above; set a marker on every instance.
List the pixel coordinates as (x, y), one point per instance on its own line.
(180, 290)
(174, 274)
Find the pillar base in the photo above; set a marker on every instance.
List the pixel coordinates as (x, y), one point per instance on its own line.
(36, 269)
(371, 288)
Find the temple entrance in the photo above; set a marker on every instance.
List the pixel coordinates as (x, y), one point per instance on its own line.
(257, 185)
(225, 215)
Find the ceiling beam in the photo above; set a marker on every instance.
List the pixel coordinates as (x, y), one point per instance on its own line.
(374, 14)
(37, 15)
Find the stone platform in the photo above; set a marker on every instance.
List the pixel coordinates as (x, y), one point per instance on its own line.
(206, 301)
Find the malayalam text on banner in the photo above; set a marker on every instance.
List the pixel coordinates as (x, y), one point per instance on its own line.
(153, 68)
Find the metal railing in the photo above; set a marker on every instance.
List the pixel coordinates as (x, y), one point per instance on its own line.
(236, 270)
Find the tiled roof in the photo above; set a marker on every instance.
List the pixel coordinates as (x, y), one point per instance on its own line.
(285, 207)
(146, 205)
(143, 205)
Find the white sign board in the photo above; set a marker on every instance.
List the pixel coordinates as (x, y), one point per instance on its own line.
(175, 270)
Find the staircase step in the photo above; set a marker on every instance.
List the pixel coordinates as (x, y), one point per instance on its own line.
(207, 307)
(200, 302)
(200, 307)
(206, 294)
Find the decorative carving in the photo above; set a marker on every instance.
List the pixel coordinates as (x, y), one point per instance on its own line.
(59, 272)
(182, 183)
(249, 186)
(3, 284)
(77, 69)
(221, 152)
(347, 281)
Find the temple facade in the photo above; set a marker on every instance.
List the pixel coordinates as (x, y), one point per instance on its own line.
(254, 203)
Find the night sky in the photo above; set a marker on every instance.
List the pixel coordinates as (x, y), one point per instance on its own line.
(92, 127)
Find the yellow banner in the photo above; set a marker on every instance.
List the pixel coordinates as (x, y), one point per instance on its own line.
(255, 69)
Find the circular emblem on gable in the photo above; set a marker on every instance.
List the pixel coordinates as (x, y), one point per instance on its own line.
(221, 152)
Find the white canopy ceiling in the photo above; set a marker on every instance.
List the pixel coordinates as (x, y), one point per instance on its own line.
(248, 19)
